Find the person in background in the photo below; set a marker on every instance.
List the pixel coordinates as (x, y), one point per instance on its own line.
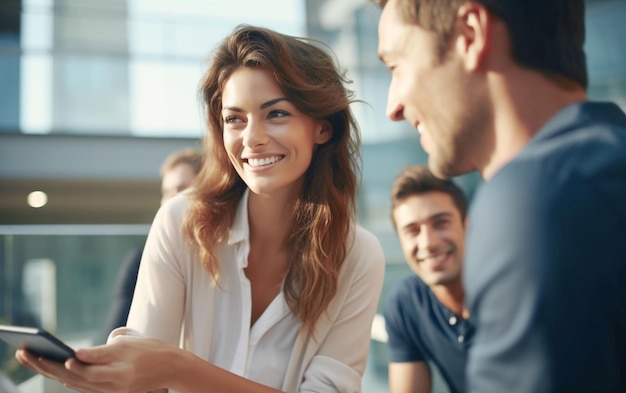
(500, 87)
(260, 273)
(178, 171)
(177, 174)
(425, 317)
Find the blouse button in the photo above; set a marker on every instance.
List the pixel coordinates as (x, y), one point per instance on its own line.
(461, 339)
(452, 320)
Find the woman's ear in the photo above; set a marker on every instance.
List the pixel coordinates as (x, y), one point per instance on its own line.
(325, 133)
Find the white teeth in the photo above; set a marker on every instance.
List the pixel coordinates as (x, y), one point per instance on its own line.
(256, 162)
(438, 258)
(433, 259)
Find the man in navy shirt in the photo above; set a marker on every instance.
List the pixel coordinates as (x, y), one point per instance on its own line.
(425, 318)
(499, 86)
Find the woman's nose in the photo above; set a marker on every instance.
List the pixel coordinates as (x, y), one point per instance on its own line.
(255, 134)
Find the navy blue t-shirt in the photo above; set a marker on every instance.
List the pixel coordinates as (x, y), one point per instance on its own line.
(545, 262)
(420, 328)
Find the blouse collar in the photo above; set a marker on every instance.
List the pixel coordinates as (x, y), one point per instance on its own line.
(240, 230)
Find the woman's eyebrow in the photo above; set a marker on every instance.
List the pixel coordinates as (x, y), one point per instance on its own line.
(263, 105)
(272, 102)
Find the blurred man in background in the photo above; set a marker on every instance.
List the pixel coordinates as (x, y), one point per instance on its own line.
(177, 174)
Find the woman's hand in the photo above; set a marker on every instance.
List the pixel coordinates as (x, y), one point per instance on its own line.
(126, 364)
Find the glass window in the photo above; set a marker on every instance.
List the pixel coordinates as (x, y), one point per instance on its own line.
(123, 67)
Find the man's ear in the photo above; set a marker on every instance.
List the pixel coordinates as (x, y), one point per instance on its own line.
(325, 132)
(473, 38)
(466, 221)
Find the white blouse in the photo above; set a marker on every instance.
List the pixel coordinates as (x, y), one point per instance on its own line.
(175, 300)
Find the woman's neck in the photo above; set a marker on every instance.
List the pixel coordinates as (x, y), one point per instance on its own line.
(270, 218)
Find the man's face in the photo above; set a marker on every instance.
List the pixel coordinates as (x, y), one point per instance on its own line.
(175, 180)
(431, 234)
(436, 96)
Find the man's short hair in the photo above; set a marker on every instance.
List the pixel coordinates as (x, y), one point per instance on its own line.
(417, 180)
(190, 156)
(546, 35)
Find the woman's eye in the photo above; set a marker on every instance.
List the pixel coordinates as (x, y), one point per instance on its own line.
(231, 119)
(278, 113)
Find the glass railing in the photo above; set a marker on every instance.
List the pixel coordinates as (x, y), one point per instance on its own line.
(61, 278)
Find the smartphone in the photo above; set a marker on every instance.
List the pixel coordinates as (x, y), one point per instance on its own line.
(36, 341)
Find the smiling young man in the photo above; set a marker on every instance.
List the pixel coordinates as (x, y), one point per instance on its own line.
(500, 87)
(424, 314)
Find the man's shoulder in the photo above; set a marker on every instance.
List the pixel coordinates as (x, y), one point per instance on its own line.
(405, 303)
(408, 293)
(583, 148)
(578, 143)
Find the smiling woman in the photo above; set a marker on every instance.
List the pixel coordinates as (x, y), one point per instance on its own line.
(271, 285)
(269, 141)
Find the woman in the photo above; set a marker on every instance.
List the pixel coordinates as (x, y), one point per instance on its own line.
(260, 273)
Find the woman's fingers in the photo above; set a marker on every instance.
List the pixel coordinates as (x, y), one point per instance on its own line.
(46, 367)
(102, 354)
(127, 364)
(49, 369)
(73, 374)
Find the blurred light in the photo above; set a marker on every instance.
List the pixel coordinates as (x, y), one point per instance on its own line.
(37, 199)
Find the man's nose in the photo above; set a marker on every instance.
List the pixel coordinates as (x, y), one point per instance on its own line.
(394, 110)
(428, 239)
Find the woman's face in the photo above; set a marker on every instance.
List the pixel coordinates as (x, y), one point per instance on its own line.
(269, 142)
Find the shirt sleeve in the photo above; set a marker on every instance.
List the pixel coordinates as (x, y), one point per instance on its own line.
(541, 281)
(400, 331)
(340, 361)
(159, 300)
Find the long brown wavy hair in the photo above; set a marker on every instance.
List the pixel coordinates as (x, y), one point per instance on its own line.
(323, 214)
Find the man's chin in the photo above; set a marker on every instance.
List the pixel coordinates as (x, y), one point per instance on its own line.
(440, 280)
(444, 170)
(426, 144)
(436, 169)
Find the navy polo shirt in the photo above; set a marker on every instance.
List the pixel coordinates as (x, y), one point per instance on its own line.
(420, 328)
